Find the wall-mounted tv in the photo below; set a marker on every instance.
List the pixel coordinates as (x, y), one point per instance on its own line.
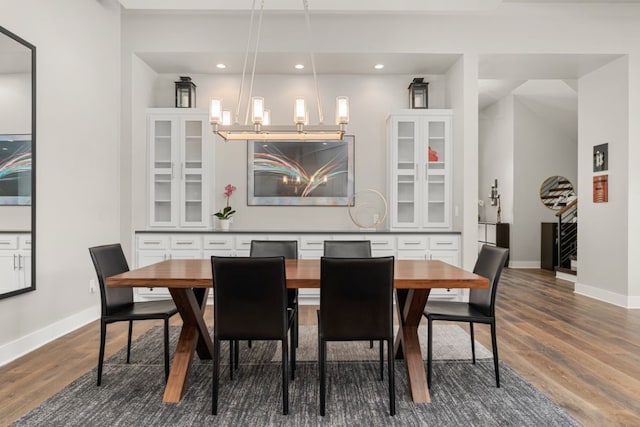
(15, 169)
(300, 172)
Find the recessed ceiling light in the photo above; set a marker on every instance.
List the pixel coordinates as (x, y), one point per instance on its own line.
(378, 66)
(221, 66)
(299, 66)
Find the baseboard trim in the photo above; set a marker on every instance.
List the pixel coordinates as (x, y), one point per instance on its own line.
(633, 302)
(602, 295)
(566, 276)
(26, 344)
(524, 264)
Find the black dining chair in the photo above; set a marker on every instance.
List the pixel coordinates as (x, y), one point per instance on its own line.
(479, 309)
(289, 250)
(350, 249)
(250, 303)
(356, 303)
(118, 306)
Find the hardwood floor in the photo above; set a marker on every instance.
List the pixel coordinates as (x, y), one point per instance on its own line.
(582, 353)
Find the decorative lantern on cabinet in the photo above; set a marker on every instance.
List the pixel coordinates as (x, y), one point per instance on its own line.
(418, 93)
(185, 93)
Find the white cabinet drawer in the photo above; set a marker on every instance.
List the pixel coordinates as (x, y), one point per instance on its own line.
(25, 241)
(347, 237)
(217, 241)
(186, 242)
(412, 242)
(243, 241)
(313, 242)
(382, 242)
(153, 242)
(444, 243)
(8, 241)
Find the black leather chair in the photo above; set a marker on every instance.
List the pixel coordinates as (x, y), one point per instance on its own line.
(118, 306)
(289, 250)
(479, 309)
(350, 249)
(356, 303)
(250, 303)
(347, 248)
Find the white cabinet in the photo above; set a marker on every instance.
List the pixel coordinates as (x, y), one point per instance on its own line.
(155, 247)
(15, 261)
(180, 153)
(420, 169)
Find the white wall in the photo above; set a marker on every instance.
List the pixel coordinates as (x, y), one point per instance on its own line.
(540, 150)
(78, 168)
(495, 157)
(603, 112)
(372, 98)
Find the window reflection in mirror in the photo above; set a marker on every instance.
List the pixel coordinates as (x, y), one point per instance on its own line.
(557, 192)
(17, 148)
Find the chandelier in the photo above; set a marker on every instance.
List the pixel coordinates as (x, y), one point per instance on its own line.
(260, 128)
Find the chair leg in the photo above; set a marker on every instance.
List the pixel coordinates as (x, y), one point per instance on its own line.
(494, 344)
(249, 343)
(231, 358)
(236, 353)
(129, 340)
(429, 350)
(322, 347)
(473, 343)
(216, 375)
(381, 345)
(166, 349)
(103, 336)
(292, 350)
(296, 327)
(392, 384)
(285, 378)
(370, 343)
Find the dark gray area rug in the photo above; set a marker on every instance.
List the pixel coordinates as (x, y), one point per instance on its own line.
(463, 394)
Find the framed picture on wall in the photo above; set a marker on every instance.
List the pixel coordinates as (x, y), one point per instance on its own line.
(300, 172)
(601, 189)
(601, 157)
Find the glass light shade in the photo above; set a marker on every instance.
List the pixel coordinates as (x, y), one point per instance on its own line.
(226, 117)
(342, 110)
(215, 111)
(299, 112)
(257, 109)
(266, 120)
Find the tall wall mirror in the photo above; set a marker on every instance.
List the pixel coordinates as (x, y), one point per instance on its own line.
(17, 164)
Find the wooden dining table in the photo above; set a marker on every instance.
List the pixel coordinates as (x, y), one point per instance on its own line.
(189, 281)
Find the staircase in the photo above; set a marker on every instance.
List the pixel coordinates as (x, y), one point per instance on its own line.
(568, 237)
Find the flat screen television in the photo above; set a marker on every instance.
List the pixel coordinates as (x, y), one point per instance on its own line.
(15, 169)
(300, 172)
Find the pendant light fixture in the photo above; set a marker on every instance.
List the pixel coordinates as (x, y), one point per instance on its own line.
(229, 128)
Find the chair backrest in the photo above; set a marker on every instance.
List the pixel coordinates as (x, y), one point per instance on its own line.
(356, 298)
(109, 260)
(347, 248)
(270, 248)
(490, 262)
(249, 297)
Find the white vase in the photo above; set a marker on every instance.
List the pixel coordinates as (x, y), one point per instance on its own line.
(224, 224)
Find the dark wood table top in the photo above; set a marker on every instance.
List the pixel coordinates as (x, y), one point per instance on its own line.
(301, 273)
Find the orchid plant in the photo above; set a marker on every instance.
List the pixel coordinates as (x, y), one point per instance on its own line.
(227, 211)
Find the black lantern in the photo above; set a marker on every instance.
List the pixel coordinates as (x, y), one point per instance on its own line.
(418, 93)
(185, 93)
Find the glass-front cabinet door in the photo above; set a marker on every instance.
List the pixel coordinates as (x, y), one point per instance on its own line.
(193, 210)
(163, 190)
(420, 172)
(405, 193)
